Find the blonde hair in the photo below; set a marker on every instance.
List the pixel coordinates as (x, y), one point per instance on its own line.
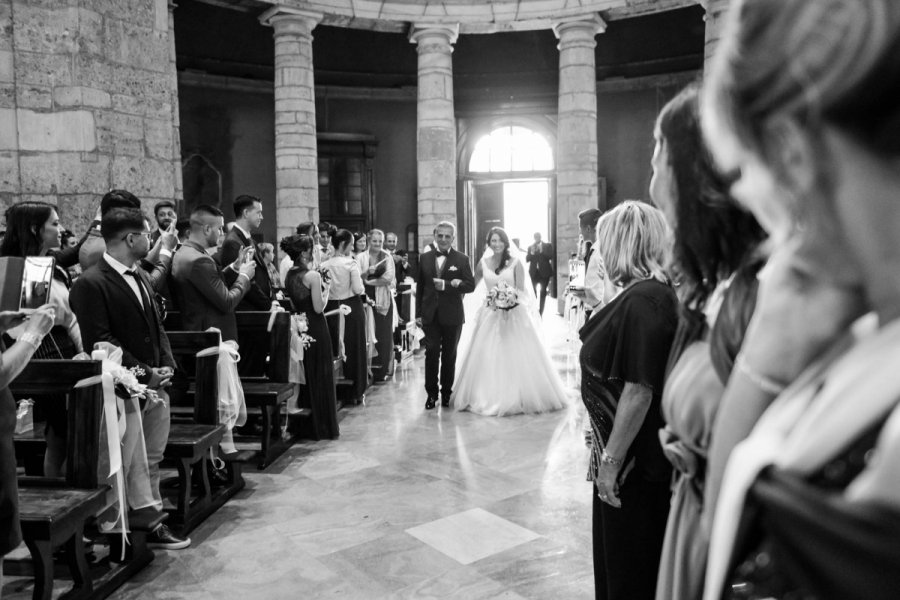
(835, 61)
(634, 241)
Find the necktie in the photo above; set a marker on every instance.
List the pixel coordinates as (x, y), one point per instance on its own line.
(145, 299)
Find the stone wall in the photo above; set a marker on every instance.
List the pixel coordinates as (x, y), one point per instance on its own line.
(88, 102)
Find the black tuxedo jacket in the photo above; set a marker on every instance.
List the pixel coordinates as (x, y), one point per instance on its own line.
(108, 311)
(541, 261)
(259, 296)
(446, 307)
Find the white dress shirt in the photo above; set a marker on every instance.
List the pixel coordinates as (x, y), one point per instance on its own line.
(122, 270)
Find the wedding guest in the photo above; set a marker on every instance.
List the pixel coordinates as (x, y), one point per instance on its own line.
(595, 288)
(800, 105)
(165, 214)
(309, 295)
(204, 299)
(346, 289)
(267, 253)
(716, 263)
(623, 360)
(33, 230)
(67, 239)
(540, 258)
(326, 242)
(116, 304)
(12, 362)
(182, 230)
(248, 218)
(377, 268)
(287, 264)
(360, 244)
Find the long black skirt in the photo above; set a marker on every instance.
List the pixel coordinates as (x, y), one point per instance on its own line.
(355, 367)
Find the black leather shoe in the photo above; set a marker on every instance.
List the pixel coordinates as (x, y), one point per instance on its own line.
(162, 537)
(430, 402)
(445, 401)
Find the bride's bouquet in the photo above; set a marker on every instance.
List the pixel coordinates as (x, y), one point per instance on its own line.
(502, 297)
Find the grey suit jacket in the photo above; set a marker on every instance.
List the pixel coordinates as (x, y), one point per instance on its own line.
(203, 298)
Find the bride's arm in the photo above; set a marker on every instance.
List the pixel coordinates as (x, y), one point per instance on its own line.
(520, 276)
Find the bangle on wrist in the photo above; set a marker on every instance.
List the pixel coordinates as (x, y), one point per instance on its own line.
(32, 339)
(607, 458)
(763, 382)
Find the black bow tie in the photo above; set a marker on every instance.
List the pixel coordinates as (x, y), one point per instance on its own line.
(444, 254)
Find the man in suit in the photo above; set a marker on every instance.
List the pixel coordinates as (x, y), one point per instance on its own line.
(249, 215)
(540, 268)
(114, 302)
(444, 276)
(204, 299)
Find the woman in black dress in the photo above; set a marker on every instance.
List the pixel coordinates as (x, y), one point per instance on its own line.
(304, 288)
(623, 360)
(12, 361)
(346, 289)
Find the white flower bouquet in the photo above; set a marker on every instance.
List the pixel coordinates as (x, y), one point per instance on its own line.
(502, 297)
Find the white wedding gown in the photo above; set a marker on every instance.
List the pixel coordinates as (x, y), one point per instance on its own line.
(504, 368)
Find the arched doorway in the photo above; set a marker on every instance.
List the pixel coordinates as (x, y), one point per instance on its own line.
(510, 182)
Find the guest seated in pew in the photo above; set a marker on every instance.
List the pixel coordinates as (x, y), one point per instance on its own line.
(33, 230)
(12, 360)
(346, 289)
(309, 294)
(115, 303)
(200, 290)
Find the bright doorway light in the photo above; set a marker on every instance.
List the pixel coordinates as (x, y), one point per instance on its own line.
(525, 210)
(511, 149)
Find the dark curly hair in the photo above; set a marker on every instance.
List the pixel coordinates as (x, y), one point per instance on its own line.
(295, 245)
(504, 258)
(713, 235)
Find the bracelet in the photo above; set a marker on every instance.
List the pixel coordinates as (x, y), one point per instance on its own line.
(609, 459)
(32, 339)
(763, 382)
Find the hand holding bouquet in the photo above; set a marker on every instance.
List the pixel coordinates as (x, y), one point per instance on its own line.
(502, 297)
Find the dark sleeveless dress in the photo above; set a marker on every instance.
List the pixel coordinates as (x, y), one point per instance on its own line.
(318, 394)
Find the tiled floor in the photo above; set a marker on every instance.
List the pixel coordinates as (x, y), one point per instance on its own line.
(407, 503)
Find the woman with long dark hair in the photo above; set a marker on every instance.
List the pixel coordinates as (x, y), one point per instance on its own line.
(304, 287)
(505, 368)
(32, 229)
(715, 259)
(346, 290)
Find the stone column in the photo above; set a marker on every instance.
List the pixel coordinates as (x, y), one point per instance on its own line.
(576, 155)
(176, 118)
(716, 11)
(435, 126)
(296, 169)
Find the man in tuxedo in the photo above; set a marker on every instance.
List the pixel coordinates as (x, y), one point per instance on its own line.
(540, 267)
(114, 302)
(200, 290)
(249, 215)
(444, 276)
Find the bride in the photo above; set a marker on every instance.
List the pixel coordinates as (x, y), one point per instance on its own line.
(505, 369)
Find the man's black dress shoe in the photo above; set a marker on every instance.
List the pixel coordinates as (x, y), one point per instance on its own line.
(445, 401)
(163, 537)
(430, 402)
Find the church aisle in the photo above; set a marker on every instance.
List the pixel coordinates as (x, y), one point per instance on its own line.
(407, 503)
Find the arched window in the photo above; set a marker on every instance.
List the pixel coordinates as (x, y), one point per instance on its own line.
(511, 148)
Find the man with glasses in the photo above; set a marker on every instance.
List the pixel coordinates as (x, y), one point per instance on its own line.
(203, 297)
(114, 302)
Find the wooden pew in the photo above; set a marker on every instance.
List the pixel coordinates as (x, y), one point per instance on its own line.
(190, 441)
(268, 391)
(53, 512)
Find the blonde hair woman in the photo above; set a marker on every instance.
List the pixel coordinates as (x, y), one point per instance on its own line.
(801, 105)
(623, 360)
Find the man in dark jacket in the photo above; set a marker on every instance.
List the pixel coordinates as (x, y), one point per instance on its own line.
(248, 217)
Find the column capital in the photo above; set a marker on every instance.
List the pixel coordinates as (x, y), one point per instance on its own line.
(279, 15)
(450, 31)
(591, 21)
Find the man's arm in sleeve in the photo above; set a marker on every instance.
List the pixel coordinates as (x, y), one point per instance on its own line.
(467, 280)
(206, 278)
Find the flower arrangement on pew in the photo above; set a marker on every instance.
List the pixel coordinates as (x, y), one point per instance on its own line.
(127, 385)
(502, 297)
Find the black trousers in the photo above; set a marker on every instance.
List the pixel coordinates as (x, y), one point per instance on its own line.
(440, 355)
(628, 541)
(537, 281)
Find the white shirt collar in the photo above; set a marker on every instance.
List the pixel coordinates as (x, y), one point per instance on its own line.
(242, 230)
(119, 267)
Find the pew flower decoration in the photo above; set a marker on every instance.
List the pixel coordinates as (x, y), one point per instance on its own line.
(502, 297)
(127, 384)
